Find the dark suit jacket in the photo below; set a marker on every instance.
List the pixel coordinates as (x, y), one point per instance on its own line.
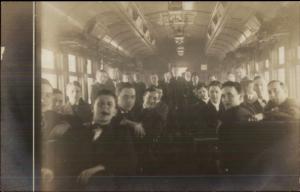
(232, 155)
(113, 149)
(212, 118)
(197, 119)
(54, 149)
(288, 110)
(140, 88)
(82, 112)
(254, 108)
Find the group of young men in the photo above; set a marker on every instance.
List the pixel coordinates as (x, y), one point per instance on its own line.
(132, 130)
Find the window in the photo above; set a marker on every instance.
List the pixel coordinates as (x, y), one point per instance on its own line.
(267, 76)
(47, 59)
(249, 69)
(203, 67)
(179, 70)
(297, 80)
(281, 56)
(72, 63)
(90, 83)
(281, 74)
(89, 67)
(52, 78)
(256, 66)
(111, 72)
(73, 78)
(2, 51)
(267, 64)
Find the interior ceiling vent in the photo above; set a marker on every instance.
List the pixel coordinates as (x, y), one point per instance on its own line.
(175, 6)
(253, 24)
(96, 29)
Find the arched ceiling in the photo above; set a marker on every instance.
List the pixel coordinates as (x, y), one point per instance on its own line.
(147, 29)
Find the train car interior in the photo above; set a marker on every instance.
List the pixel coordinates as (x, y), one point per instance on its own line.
(168, 90)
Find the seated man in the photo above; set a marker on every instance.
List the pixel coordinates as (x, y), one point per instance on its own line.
(279, 107)
(251, 101)
(162, 107)
(261, 90)
(153, 124)
(58, 100)
(214, 108)
(232, 158)
(202, 93)
(105, 148)
(75, 105)
(195, 114)
(126, 114)
(54, 152)
(102, 82)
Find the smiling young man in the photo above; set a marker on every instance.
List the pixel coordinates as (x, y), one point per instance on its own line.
(232, 157)
(214, 108)
(76, 106)
(280, 107)
(105, 148)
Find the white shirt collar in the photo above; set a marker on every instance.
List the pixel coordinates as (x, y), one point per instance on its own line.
(97, 133)
(217, 106)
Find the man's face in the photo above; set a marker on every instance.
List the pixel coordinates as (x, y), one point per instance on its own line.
(104, 109)
(154, 79)
(102, 77)
(151, 99)
(135, 78)
(230, 97)
(167, 76)
(203, 94)
(231, 77)
(74, 94)
(58, 102)
(126, 99)
(212, 78)
(260, 87)
(250, 88)
(215, 94)
(277, 93)
(187, 76)
(240, 73)
(125, 79)
(250, 94)
(195, 79)
(47, 97)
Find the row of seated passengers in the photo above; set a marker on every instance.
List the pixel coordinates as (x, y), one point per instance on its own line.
(118, 138)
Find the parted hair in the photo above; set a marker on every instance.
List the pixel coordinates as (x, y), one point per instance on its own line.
(235, 85)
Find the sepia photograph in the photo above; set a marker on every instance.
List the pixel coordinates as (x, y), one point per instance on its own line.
(150, 96)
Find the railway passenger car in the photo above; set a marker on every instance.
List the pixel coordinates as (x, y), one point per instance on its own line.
(163, 64)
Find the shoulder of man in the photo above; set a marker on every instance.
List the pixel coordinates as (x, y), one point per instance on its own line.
(242, 113)
(291, 102)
